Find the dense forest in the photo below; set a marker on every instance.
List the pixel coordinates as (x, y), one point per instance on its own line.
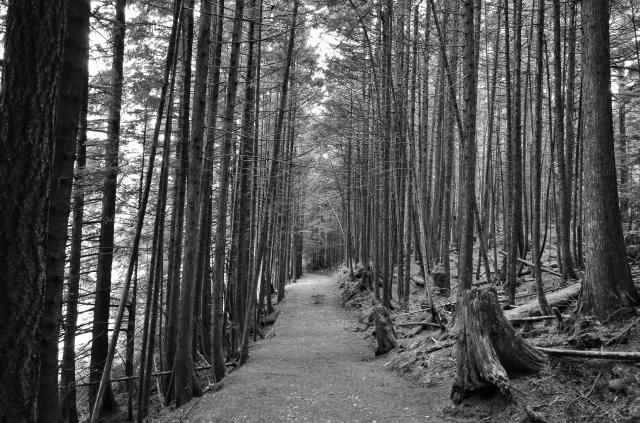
(169, 167)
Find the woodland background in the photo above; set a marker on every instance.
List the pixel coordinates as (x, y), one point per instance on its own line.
(168, 166)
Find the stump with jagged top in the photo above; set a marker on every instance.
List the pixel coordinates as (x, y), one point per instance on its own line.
(488, 348)
(385, 334)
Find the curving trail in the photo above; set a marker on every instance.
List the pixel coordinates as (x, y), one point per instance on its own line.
(314, 370)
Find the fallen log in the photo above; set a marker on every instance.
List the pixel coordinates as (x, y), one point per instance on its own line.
(440, 345)
(418, 281)
(555, 299)
(126, 378)
(520, 320)
(414, 311)
(606, 355)
(528, 263)
(406, 324)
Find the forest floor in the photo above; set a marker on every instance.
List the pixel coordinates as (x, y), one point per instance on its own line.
(567, 390)
(314, 368)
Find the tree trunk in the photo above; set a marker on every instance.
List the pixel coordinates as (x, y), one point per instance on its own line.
(243, 200)
(563, 194)
(76, 55)
(186, 385)
(468, 149)
(100, 332)
(30, 87)
(225, 162)
(217, 309)
(180, 188)
(385, 334)
(487, 344)
(69, 410)
(157, 255)
(537, 165)
(607, 284)
(387, 34)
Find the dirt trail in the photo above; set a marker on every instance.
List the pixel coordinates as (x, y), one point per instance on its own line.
(314, 370)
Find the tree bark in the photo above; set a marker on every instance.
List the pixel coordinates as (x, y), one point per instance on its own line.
(69, 410)
(537, 164)
(30, 87)
(385, 334)
(243, 199)
(468, 149)
(225, 160)
(75, 57)
(488, 348)
(607, 284)
(217, 309)
(186, 385)
(564, 197)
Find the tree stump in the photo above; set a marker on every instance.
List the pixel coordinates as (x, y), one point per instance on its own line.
(440, 281)
(385, 335)
(366, 283)
(488, 348)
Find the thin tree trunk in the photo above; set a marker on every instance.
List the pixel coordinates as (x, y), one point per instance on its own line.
(69, 409)
(537, 164)
(564, 197)
(243, 199)
(217, 309)
(100, 335)
(186, 384)
(225, 161)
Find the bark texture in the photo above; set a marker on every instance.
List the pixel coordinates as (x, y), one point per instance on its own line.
(30, 87)
(607, 284)
(76, 55)
(488, 348)
(385, 334)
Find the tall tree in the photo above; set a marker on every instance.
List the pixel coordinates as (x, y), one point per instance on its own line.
(468, 149)
(68, 395)
(157, 254)
(186, 384)
(607, 284)
(386, 16)
(243, 194)
(76, 56)
(28, 99)
(100, 331)
(217, 308)
(537, 163)
(487, 344)
(225, 159)
(564, 196)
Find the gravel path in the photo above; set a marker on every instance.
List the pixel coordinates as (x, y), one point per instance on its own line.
(314, 370)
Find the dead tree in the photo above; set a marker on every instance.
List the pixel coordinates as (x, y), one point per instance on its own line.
(385, 334)
(488, 348)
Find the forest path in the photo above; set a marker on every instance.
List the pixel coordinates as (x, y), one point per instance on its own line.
(314, 370)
